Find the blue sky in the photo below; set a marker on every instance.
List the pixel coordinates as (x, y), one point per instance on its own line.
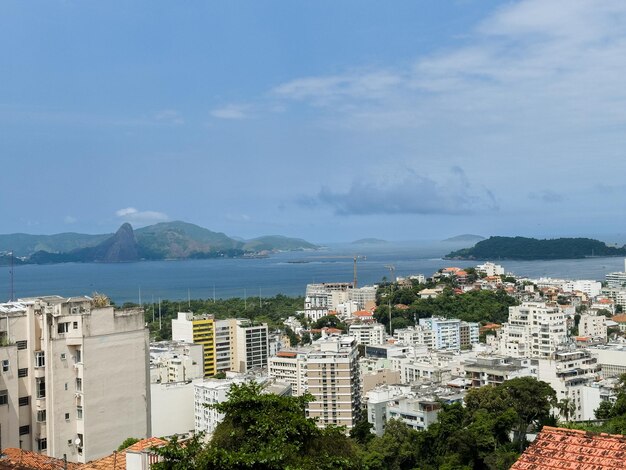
(326, 120)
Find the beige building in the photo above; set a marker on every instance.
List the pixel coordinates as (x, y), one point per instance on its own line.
(74, 376)
(333, 380)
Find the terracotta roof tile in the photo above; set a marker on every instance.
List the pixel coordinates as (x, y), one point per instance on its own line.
(117, 460)
(573, 449)
(24, 459)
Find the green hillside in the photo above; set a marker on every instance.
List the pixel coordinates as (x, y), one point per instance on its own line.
(521, 248)
(277, 242)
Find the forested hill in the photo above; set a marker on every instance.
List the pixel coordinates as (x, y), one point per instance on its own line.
(521, 248)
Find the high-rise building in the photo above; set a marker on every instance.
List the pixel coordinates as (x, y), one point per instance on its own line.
(333, 380)
(198, 329)
(534, 329)
(251, 345)
(74, 376)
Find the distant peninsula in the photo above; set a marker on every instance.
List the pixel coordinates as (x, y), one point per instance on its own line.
(167, 240)
(465, 238)
(521, 248)
(370, 241)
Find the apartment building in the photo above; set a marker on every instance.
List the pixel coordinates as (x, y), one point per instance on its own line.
(74, 379)
(534, 329)
(481, 371)
(175, 361)
(333, 380)
(198, 329)
(571, 374)
(289, 365)
(368, 334)
(251, 347)
(593, 326)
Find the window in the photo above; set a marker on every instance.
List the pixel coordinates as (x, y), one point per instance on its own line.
(79, 412)
(40, 359)
(4, 397)
(41, 416)
(21, 344)
(65, 385)
(67, 416)
(79, 384)
(63, 327)
(42, 444)
(24, 430)
(79, 356)
(40, 386)
(22, 372)
(63, 356)
(24, 401)
(75, 325)
(5, 365)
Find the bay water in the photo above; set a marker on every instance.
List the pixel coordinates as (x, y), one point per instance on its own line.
(282, 273)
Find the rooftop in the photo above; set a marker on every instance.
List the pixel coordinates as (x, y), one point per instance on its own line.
(573, 449)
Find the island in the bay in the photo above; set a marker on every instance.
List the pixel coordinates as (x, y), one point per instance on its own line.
(522, 248)
(167, 240)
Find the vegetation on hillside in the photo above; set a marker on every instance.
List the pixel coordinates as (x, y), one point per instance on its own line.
(521, 248)
(272, 310)
(407, 305)
(264, 431)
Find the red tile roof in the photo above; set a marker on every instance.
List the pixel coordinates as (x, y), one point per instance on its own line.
(362, 313)
(24, 459)
(573, 449)
(619, 318)
(117, 460)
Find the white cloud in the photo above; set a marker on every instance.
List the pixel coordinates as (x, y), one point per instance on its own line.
(68, 219)
(170, 116)
(530, 63)
(134, 216)
(408, 192)
(232, 111)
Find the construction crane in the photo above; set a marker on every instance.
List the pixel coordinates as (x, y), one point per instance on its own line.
(392, 270)
(356, 258)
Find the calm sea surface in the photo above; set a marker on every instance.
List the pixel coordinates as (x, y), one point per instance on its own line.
(286, 273)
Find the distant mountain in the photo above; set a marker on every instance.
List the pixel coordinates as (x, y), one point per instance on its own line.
(277, 243)
(121, 247)
(24, 244)
(168, 240)
(521, 248)
(181, 240)
(465, 238)
(370, 241)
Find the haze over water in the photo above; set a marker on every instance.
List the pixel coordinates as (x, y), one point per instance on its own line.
(287, 273)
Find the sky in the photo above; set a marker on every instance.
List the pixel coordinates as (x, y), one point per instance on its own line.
(330, 121)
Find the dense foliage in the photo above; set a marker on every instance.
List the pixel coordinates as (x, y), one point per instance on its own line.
(264, 431)
(272, 310)
(474, 306)
(532, 249)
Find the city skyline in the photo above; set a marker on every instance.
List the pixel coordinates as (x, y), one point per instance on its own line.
(329, 122)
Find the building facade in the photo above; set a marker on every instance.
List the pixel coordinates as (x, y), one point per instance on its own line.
(75, 377)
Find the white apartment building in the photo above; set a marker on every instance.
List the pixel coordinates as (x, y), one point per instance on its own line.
(210, 392)
(368, 334)
(617, 280)
(289, 365)
(451, 333)
(224, 346)
(490, 269)
(175, 361)
(591, 288)
(74, 379)
(414, 335)
(336, 296)
(333, 380)
(593, 326)
(534, 329)
(570, 373)
(172, 410)
(481, 371)
(611, 358)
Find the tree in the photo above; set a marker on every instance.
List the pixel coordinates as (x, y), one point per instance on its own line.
(129, 441)
(532, 400)
(264, 431)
